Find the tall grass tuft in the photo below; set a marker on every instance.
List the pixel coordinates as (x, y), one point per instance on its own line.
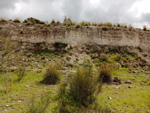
(51, 76)
(21, 73)
(105, 73)
(84, 85)
(39, 106)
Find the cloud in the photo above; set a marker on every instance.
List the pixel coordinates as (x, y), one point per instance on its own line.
(120, 11)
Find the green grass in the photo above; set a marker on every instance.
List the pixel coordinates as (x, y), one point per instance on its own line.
(125, 99)
(17, 94)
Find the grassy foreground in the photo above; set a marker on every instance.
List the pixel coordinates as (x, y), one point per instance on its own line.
(15, 96)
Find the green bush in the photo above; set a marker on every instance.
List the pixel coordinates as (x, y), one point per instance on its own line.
(51, 76)
(84, 85)
(21, 73)
(105, 73)
(39, 106)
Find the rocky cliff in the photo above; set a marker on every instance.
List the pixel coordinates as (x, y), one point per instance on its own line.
(135, 40)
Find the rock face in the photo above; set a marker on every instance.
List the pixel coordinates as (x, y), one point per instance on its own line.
(134, 40)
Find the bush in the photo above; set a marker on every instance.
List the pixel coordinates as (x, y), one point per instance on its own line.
(105, 73)
(84, 85)
(53, 21)
(32, 21)
(68, 22)
(21, 73)
(51, 76)
(3, 20)
(144, 28)
(39, 106)
(16, 20)
(130, 27)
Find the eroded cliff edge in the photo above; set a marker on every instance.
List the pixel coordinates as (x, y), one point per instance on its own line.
(135, 40)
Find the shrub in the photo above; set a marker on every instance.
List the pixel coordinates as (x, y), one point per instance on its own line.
(118, 25)
(16, 20)
(83, 23)
(3, 20)
(68, 22)
(144, 28)
(51, 76)
(94, 24)
(53, 21)
(39, 106)
(130, 27)
(105, 73)
(32, 21)
(84, 85)
(109, 24)
(21, 73)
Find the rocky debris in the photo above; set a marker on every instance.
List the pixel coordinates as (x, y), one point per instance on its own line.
(117, 80)
(127, 82)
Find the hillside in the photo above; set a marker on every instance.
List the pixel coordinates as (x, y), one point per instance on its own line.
(46, 68)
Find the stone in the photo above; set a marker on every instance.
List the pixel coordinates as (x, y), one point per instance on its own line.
(130, 86)
(19, 101)
(127, 82)
(117, 80)
(6, 105)
(43, 58)
(27, 86)
(118, 87)
(109, 98)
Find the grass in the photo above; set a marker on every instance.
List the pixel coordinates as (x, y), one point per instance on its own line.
(15, 96)
(123, 100)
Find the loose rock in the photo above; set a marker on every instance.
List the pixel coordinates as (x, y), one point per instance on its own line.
(117, 80)
(127, 82)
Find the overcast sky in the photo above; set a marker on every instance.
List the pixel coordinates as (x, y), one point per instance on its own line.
(135, 12)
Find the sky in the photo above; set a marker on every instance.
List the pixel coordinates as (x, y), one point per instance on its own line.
(134, 12)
